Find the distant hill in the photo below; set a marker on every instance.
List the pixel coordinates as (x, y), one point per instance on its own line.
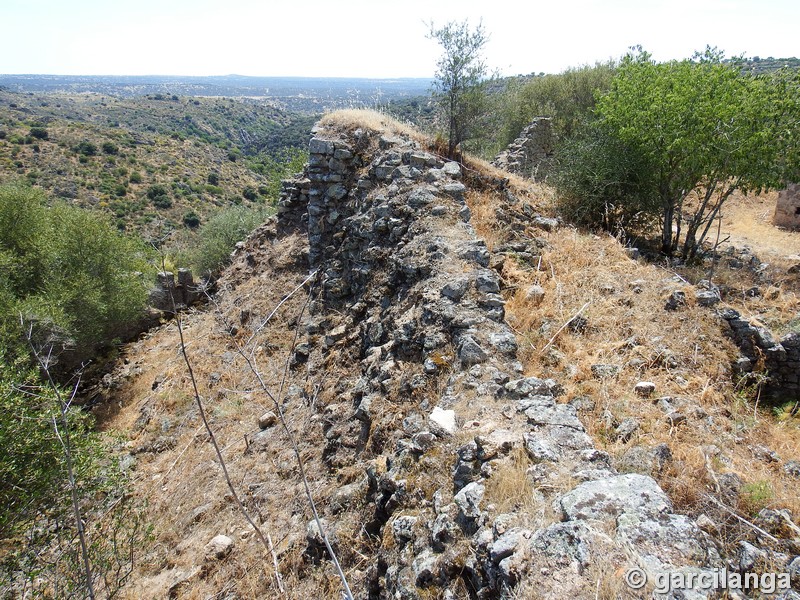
(307, 94)
(765, 65)
(148, 161)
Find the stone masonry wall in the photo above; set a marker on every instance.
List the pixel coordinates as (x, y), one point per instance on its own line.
(787, 210)
(409, 295)
(530, 154)
(779, 358)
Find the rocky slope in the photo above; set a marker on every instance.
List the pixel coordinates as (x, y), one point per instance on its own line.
(441, 468)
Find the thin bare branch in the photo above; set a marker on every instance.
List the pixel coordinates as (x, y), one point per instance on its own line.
(564, 326)
(264, 540)
(64, 440)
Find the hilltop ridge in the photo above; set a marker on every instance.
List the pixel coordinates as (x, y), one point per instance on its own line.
(462, 378)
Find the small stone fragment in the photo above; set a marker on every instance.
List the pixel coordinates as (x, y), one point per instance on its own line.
(219, 547)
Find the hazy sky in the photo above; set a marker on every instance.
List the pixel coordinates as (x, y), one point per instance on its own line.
(356, 38)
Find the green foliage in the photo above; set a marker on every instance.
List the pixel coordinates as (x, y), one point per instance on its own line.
(567, 98)
(755, 496)
(213, 178)
(603, 182)
(65, 270)
(162, 202)
(35, 501)
(191, 219)
(276, 167)
(135, 177)
(702, 128)
(86, 148)
(461, 79)
(110, 148)
(220, 234)
(40, 133)
(250, 193)
(157, 190)
(32, 469)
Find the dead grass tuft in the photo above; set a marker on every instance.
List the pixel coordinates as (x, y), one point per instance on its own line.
(372, 120)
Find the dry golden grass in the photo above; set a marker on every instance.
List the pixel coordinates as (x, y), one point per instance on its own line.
(748, 222)
(372, 120)
(509, 487)
(683, 352)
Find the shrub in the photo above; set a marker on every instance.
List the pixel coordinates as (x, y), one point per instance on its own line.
(568, 98)
(220, 234)
(156, 190)
(32, 470)
(110, 148)
(86, 148)
(250, 193)
(604, 183)
(276, 167)
(135, 177)
(162, 202)
(66, 271)
(213, 178)
(40, 133)
(191, 219)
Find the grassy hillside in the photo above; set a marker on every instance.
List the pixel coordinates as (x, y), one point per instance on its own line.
(155, 163)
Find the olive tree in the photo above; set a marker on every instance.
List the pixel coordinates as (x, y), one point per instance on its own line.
(461, 78)
(706, 129)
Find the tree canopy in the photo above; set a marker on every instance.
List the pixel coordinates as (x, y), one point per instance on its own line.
(461, 78)
(703, 128)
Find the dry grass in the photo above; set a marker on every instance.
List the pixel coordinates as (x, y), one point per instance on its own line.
(371, 120)
(509, 487)
(748, 222)
(683, 352)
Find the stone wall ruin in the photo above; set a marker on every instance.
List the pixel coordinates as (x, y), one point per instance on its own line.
(787, 210)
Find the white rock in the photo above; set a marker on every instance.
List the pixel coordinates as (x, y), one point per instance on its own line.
(219, 547)
(446, 419)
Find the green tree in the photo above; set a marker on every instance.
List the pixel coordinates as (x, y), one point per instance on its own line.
(67, 271)
(604, 182)
(706, 129)
(568, 98)
(461, 80)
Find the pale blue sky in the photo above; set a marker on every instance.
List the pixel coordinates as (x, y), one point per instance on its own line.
(378, 38)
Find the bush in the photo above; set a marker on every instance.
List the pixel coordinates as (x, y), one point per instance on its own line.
(220, 234)
(604, 183)
(35, 498)
(162, 202)
(568, 98)
(135, 177)
(276, 167)
(110, 148)
(191, 219)
(86, 148)
(40, 133)
(156, 190)
(66, 271)
(213, 178)
(250, 193)
(32, 470)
